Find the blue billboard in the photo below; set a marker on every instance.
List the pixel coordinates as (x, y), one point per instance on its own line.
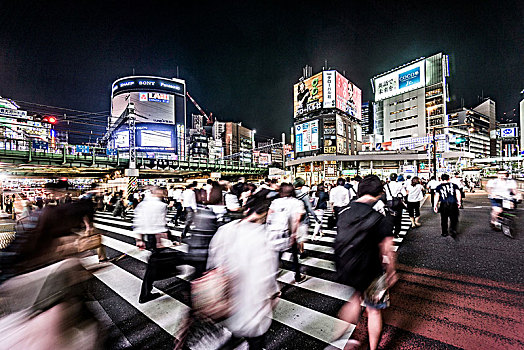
(149, 137)
(409, 78)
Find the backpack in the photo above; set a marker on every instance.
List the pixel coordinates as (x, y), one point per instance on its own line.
(279, 228)
(352, 229)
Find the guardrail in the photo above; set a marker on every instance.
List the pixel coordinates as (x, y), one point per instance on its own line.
(22, 152)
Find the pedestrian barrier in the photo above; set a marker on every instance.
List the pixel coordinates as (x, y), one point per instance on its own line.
(7, 234)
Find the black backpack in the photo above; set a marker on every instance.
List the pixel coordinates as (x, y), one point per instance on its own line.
(354, 224)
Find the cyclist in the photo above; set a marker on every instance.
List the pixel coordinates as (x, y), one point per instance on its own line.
(498, 189)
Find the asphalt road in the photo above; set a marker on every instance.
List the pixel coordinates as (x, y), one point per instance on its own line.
(477, 250)
(462, 293)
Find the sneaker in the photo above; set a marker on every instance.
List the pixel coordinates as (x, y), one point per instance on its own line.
(444, 234)
(302, 278)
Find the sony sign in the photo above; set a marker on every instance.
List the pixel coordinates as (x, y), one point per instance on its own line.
(399, 81)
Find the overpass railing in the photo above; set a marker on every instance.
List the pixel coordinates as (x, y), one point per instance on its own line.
(24, 151)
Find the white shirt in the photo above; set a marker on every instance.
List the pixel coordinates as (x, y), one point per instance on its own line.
(339, 196)
(189, 199)
(394, 189)
(242, 248)
(499, 189)
(432, 184)
(150, 216)
(177, 194)
(232, 202)
(415, 193)
(457, 181)
(291, 205)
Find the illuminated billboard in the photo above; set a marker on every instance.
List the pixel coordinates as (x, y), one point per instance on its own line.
(348, 97)
(306, 137)
(401, 80)
(308, 95)
(150, 137)
(328, 89)
(150, 107)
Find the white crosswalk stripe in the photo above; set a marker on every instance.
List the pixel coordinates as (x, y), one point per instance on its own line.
(167, 312)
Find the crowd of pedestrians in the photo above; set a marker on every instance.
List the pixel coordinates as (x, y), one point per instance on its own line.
(237, 235)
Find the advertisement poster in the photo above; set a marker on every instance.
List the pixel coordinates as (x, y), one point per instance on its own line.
(348, 97)
(330, 146)
(307, 95)
(328, 78)
(341, 129)
(406, 79)
(306, 136)
(341, 145)
(150, 107)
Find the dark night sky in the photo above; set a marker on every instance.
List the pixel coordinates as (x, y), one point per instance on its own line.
(241, 59)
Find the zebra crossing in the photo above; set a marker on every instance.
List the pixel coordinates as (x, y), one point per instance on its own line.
(305, 316)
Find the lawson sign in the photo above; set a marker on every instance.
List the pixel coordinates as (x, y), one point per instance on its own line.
(399, 81)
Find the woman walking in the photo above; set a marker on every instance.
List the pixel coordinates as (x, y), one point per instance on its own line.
(415, 196)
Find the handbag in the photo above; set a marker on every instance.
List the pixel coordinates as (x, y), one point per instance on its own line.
(89, 242)
(397, 203)
(211, 294)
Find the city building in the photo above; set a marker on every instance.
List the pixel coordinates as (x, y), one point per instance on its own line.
(411, 99)
(327, 115)
(477, 141)
(237, 141)
(18, 130)
(159, 111)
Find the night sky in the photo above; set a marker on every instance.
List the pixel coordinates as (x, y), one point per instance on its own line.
(240, 59)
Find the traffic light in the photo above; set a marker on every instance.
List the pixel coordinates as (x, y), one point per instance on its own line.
(49, 119)
(460, 139)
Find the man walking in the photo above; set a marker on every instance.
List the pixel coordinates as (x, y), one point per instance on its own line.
(339, 197)
(364, 237)
(150, 225)
(448, 195)
(394, 200)
(190, 206)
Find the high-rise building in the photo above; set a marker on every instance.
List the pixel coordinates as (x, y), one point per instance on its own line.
(411, 99)
(475, 139)
(327, 124)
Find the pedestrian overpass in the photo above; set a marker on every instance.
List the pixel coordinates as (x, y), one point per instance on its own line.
(19, 159)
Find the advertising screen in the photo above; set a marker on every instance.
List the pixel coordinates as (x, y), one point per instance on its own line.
(402, 80)
(150, 137)
(341, 94)
(306, 137)
(308, 95)
(150, 107)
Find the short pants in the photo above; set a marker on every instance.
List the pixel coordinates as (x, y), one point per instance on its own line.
(496, 202)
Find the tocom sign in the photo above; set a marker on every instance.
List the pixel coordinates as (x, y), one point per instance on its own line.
(402, 80)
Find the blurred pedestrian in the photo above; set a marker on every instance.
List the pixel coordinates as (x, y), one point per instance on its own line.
(285, 214)
(150, 227)
(242, 249)
(364, 237)
(189, 203)
(339, 197)
(320, 208)
(303, 228)
(395, 202)
(415, 195)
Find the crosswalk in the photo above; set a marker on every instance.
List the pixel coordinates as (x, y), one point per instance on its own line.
(305, 317)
